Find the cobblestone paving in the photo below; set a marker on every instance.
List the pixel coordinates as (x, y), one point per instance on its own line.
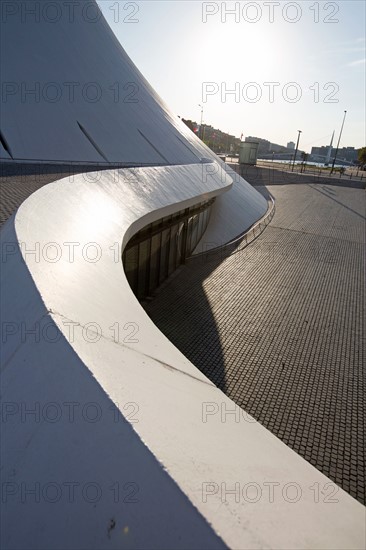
(19, 181)
(279, 326)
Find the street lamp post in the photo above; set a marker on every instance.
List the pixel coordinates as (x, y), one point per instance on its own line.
(297, 146)
(339, 140)
(201, 126)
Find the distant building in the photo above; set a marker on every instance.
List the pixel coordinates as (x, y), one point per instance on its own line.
(291, 145)
(346, 154)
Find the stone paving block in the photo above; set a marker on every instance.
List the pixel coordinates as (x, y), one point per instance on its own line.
(279, 326)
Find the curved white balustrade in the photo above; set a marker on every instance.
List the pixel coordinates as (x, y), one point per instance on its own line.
(162, 483)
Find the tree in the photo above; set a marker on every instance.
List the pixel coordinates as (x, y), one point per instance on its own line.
(191, 125)
(362, 156)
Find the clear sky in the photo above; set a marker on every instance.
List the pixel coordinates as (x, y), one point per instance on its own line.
(309, 56)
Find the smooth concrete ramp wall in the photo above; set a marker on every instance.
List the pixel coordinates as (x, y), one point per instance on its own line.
(232, 214)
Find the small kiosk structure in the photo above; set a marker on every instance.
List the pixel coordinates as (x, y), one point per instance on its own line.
(248, 153)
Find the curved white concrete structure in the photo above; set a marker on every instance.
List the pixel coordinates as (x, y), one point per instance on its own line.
(85, 363)
(111, 438)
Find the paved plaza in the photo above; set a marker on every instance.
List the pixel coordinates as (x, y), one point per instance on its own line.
(279, 325)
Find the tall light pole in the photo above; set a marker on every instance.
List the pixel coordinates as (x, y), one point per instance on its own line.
(339, 140)
(201, 126)
(329, 152)
(297, 146)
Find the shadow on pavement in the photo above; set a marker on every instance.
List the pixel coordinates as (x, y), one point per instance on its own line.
(197, 334)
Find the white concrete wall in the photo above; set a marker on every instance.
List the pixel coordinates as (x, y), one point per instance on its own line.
(232, 213)
(108, 97)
